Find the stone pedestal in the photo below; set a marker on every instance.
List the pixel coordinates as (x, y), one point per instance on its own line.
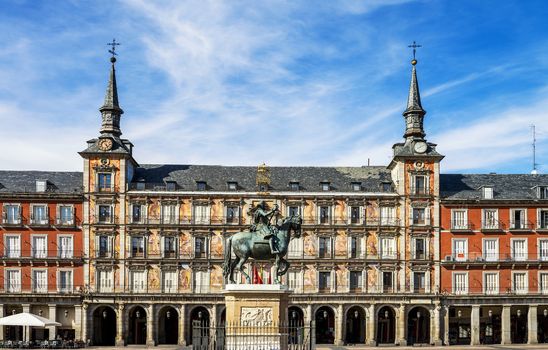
(255, 314)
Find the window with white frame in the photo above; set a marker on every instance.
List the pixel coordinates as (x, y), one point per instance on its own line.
(169, 247)
(518, 219)
(12, 245)
(460, 282)
(200, 246)
(65, 247)
(325, 186)
(104, 182)
(519, 282)
(39, 246)
(39, 281)
(201, 281)
(324, 214)
(542, 219)
(12, 214)
(354, 247)
(543, 249)
(490, 219)
(295, 281)
(519, 249)
(543, 283)
(324, 245)
(542, 192)
(12, 280)
(459, 220)
(64, 281)
(138, 281)
(460, 249)
(387, 216)
(137, 213)
(105, 281)
(418, 248)
(324, 280)
(355, 214)
(295, 249)
(169, 281)
(201, 214)
(293, 210)
(355, 281)
(232, 214)
(41, 185)
(104, 246)
(420, 216)
(137, 246)
(491, 283)
(419, 184)
(105, 214)
(388, 248)
(39, 214)
(65, 215)
(491, 249)
(388, 282)
(487, 192)
(419, 282)
(169, 214)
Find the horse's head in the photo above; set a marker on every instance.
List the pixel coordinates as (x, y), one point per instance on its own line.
(294, 222)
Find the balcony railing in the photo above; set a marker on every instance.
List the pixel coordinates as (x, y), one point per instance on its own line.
(461, 225)
(521, 226)
(492, 225)
(26, 254)
(482, 258)
(31, 288)
(493, 291)
(104, 219)
(419, 191)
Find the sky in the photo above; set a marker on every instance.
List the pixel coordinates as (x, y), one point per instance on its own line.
(282, 82)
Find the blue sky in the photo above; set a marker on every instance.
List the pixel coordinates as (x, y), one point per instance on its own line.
(281, 82)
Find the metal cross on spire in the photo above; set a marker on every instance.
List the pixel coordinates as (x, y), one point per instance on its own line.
(113, 49)
(414, 46)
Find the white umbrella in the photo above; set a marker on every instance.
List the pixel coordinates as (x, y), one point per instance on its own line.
(26, 319)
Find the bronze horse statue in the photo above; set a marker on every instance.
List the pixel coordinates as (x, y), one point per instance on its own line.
(248, 244)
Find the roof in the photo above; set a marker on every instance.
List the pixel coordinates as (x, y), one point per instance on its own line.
(217, 177)
(25, 181)
(505, 186)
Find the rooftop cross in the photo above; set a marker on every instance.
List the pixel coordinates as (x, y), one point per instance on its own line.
(414, 46)
(113, 49)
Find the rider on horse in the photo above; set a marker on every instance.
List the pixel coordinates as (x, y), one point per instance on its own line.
(261, 224)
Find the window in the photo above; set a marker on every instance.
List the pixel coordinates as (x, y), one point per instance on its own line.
(294, 186)
(201, 185)
(487, 192)
(490, 219)
(200, 247)
(294, 281)
(170, 247)
(325, 214)
(232, 214)
(543, 283)
(419, 185)
(295, 249)
(138, 281)
(136, 213)
(171, 186)
(39, 281)
(543, 249)
(491, 283)
(386, 187)
(169, 214)
(293, 210)
(263, 187)
(65, 215)
(13, 280)
(419, 282)
(418, 248)
(388, 216)
(519, 282)
(39, 215)
(388, 248)
(169, 281)
(65, 247)
(13, 246)
(355, 247)
(325, 186)
(518, 219)
(324, 281)
(105, 214)
(388, 282)
(460, 249)
(460, 283)
(105, 281)
(356, 281)
(201, 214)
(543, 192)
(519, 249)
(104, 182)
(325, 247)
(459, 219)
(12, 214)
(491, 249)
(140, 186)
(232, 185)
(201, 281)
(104, 246)
(137, 247)
(355, 215)
(420, 216)
(64, 281)
(543, 219)
(356, 186)
(41, 185)
(39, 247)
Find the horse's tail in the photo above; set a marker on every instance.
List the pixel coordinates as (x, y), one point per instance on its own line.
(228, 258)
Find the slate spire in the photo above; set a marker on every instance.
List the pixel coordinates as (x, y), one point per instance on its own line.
(111, 111)
(414, 113)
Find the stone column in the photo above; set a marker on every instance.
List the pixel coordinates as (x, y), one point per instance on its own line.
(308, 317)
(435, 337)
(120, 334)
(84, 325)
(506, 327)
(52, 316)
(150, 325)
(475, 325)
(26, 330)
(1, 327)
(400, 330)
(446, 325)
(371, 337)
(339, 327)
(532, 325)
(77, 321)
(182, 312)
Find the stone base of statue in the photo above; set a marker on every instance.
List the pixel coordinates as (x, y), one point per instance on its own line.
(256, 316)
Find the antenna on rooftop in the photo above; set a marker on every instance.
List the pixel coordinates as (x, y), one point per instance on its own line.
(534, 134)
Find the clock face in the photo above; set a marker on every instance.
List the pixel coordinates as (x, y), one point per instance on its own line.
(420, 147)
(105, 144)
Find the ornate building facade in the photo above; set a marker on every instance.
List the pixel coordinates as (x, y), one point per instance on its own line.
(370, 267)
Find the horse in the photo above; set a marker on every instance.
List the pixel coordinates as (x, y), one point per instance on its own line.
(248, 244)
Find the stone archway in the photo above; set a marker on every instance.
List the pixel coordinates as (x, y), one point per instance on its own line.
(418, 326)
(386, 325)
(137, 326)
(296, 329)
(168, 326)
(199, 315)
(104, 326)
(518, 324)
(325, 325)
(355, 326)
(542, 324)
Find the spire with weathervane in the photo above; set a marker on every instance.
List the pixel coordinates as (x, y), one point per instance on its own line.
(111, 111)
(414, 113)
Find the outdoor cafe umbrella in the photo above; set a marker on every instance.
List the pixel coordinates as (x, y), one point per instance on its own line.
(27, 319)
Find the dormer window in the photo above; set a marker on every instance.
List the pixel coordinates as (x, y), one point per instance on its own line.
(356, 186)
(41, 185)
(325, 186)
(201, 185)
(232, 185)
(171, 185)
(140, 186)
(263, 187)
(542, 192)
(386, 187)
(294, 186)
(487, 192)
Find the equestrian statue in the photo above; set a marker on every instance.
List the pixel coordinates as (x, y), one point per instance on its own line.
(263, 241)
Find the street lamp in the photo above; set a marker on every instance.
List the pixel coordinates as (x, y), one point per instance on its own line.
(168, 314)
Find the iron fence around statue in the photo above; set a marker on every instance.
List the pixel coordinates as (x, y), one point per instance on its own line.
(287, 336)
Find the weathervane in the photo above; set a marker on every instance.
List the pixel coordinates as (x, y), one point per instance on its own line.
(414, 46)
(113, 50)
